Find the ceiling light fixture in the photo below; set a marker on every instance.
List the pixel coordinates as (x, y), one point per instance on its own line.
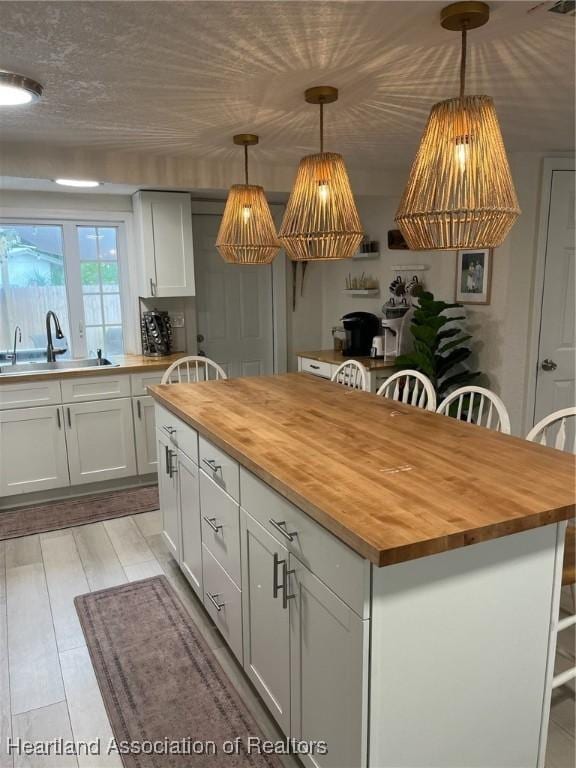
(321, 221)
(460, 192)
(16, 90)
(247, 234)
(77, 182)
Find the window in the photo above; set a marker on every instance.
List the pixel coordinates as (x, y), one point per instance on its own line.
(71, 268)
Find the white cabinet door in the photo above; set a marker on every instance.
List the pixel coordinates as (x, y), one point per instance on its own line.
(32, 450)
(168, 491)
(164, 222)
(100, 439)
(189, 500)
(145, 434)
(329, 658)
(266, 625)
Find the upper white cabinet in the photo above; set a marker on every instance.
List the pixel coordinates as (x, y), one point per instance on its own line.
(32, 450)
(164, 233)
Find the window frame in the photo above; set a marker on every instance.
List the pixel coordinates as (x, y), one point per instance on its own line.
(69, 221)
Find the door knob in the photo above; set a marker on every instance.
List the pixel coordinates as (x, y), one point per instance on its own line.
(200, 338)
(548, 365)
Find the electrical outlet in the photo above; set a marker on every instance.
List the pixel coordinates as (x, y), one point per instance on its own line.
(177, 319)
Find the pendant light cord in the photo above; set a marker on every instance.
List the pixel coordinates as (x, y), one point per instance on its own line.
(321, 127)
(246, 163)
(463, 63)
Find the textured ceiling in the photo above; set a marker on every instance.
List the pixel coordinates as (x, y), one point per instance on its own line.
(179, 78)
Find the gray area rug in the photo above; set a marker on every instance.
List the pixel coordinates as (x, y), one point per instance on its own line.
(68, 513)
(161, 682)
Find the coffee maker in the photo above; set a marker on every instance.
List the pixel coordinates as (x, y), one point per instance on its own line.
(360, 328)
(156, 330)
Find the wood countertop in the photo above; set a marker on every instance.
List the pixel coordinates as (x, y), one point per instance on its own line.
(336, 358)
(392, 481)
(122, 364)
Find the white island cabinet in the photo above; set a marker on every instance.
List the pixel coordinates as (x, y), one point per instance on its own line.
(401, 622)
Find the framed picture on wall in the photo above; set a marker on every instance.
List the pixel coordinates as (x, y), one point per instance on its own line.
(473, 276)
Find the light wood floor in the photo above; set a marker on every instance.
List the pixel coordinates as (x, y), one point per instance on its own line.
(47, 686)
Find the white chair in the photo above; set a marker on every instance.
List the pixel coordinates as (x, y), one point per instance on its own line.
(191, 369)
(477, 405)
(557, 422)
(351, 374)
(553, 431)
(410, 387)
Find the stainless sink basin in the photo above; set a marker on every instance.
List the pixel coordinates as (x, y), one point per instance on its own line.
(60, 365)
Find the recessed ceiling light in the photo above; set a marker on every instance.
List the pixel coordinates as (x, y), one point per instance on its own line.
(17, 89)
(77, 182)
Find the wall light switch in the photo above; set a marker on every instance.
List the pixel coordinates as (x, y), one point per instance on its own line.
(177, 319)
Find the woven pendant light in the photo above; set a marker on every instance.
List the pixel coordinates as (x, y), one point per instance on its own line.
(321, 221)
(247, 234)
(460, 192)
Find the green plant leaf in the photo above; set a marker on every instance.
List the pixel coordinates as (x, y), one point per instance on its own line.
(454, 343)
(451, 359)
(457, 380)
(424, 333)
(417, 361)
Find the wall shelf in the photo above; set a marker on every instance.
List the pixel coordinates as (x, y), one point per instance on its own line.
(362, 291)
(409, 267)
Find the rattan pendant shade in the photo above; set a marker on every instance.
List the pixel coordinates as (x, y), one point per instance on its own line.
(247, 234)
(460, 192)
(321, 221)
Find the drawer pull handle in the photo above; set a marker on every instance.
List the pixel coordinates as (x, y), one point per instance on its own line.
(282, 530)
(212, 523)
(139, 409)
(212, 464)
(315, 367)
(173, 469)
(285, 586)
(214, 600)
(276, 587)
(69, 417)
(169, 430)
(167, 459)
(58, 417)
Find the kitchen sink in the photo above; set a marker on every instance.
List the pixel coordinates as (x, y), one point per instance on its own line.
(8, 369)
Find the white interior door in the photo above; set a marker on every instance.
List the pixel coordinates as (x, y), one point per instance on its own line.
(234, 306)
(555, 385)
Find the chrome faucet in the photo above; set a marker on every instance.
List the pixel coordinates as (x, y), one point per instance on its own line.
(17, 340)
(50, 351)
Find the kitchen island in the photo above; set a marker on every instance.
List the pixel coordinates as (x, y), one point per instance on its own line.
(387, 577)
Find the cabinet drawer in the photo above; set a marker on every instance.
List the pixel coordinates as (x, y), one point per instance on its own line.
(103, 387)
(139, 381)
(221, 512)
(180, 434)
(220, 467)
(220, 590)
(340, 568)
(316, 367)
(24, 394)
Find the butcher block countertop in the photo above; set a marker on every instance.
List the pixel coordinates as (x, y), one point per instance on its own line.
(122, 364)
(392, 481)
(336, 358)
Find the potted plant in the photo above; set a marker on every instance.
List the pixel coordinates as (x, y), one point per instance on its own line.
(439, 350)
